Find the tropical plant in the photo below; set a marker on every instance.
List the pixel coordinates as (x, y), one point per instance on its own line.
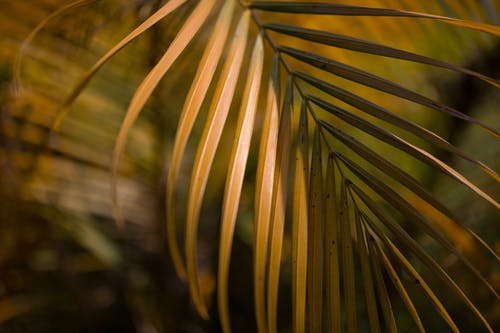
(364, 171)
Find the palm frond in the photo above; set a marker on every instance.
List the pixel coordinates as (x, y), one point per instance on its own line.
(236, 174)
(264, 192)
(199, 87)
(300, 227)
(358, 205)
(315, 242)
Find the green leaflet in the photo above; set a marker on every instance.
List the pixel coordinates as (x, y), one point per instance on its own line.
(392, 118)
(356, 44)
(366, 256)
(321, 8)
(376, 82)
(405, 239)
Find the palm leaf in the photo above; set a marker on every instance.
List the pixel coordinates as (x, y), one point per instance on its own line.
(199, 87)
(206, 151)
(144, 91)
(264, 192)
(234, 181)
(332, 237)
(316, 234)
(368, 281)
(358, 210)
(279, 206)
(299, 225)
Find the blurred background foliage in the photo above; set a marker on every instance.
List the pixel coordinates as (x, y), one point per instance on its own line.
(63, 265)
